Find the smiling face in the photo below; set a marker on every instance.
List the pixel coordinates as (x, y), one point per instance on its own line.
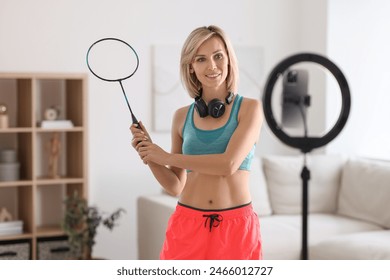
(210, 64)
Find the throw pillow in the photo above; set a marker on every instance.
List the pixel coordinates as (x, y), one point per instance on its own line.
(365, 191)
(283, 176)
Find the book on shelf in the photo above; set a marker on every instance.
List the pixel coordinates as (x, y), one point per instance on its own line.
(56, 124)
(12, 227)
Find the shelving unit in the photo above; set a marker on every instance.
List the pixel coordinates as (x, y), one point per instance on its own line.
(37, 198)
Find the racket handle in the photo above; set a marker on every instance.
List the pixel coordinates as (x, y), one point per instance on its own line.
(135, 121)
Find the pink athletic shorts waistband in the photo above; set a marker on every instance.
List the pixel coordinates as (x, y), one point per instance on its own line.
(233, 212)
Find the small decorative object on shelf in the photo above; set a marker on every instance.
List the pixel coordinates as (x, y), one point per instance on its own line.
(9, 167)
(7, 225)
(54, 155)
(51, 120)
(81, 221)
(3, 116)
(5, 216)
(52, 113)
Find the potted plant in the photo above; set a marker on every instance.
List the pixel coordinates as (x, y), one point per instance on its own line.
(81, 222)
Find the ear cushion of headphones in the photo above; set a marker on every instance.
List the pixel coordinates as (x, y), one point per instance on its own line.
(201, 108)
(216, 108)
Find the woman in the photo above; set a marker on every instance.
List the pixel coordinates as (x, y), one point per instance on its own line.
(212, 148)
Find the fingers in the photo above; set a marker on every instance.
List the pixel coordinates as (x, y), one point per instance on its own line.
(145, 131)
(138, 139)
(137, 127)
(142, 145)
(144, 148)
(138, 135)
(134, 128)
(143, 151)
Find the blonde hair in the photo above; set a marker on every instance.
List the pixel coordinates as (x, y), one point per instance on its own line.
(189, 50)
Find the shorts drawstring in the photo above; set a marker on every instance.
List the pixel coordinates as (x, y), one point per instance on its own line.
(213, 218)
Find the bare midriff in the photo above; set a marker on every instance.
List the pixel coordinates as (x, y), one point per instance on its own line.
(216, 192)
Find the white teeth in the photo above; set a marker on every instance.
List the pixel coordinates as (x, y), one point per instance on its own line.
(213, 76)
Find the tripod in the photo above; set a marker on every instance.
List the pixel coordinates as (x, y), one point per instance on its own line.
(305, 176)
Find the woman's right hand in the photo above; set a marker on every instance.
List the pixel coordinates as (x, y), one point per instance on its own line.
(140, 134)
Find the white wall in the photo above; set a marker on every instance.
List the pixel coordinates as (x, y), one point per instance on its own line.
(359, 41)
(45, 36)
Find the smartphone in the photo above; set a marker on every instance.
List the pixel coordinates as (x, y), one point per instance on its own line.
(295, 98)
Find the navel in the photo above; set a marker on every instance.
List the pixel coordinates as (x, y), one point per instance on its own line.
(210, 201)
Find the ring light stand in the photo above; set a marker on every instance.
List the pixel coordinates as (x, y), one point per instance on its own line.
(306, 144)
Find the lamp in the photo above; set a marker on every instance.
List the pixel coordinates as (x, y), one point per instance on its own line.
(305, 143)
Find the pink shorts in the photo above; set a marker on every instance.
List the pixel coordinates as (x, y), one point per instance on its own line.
(226, 234)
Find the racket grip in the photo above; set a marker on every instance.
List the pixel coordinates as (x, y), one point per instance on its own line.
(135, 121)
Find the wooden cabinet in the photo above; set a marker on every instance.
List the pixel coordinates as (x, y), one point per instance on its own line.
(36, 196)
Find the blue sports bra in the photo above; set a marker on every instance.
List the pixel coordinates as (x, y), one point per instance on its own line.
(201, 142)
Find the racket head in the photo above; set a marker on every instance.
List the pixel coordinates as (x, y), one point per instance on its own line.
(112, 59)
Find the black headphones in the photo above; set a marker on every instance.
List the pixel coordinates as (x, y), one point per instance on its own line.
(215, 108)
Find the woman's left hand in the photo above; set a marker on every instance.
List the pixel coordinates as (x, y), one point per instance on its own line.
(151, 152)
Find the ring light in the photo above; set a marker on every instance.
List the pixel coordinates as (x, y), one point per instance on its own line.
(306, 144)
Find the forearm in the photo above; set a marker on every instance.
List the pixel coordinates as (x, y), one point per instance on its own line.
(213, 164)
(168, 179)
(223, 164)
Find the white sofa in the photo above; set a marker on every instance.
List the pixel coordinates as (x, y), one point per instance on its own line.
(349, 209)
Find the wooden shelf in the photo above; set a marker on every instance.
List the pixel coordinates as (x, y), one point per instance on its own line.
(16, 237)
(35, 198)
(48, 130)
(50, 181)
(49, 231)
(15, 183)
(16, 130)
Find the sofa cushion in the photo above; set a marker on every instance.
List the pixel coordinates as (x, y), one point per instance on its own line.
(152, 219)
(281, 234)
(283, 176)
(280, 237)
(258, 188)
(373, 245)
(365, 191)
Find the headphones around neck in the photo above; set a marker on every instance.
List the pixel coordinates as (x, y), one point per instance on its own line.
(215, 108)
